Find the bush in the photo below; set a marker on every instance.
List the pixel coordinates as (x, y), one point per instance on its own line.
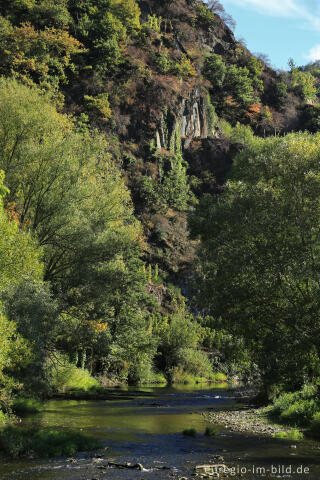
(189, 432)
(142, 372)
(315, 424)
(3, 417)
(17, 441)
(194, 362)
(66, 377)
(300, 412)
(294, 435)
(26, 405)
(210, 432)
(297, 408)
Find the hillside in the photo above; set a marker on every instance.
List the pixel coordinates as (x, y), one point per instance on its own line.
(120, 121)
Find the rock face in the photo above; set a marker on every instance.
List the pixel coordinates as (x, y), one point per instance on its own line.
(172, 106)
(188, 120)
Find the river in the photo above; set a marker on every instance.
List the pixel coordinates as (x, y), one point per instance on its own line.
(145, 426)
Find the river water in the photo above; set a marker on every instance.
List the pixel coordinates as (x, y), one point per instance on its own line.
(145, 426)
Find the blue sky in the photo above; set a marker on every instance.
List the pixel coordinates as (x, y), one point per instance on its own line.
(279, 28)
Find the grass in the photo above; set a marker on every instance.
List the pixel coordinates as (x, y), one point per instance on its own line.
(298, 409)
(67, 377)
(189, 432)
(26, 405)
(294, 435)
(17, 441)
(180, 376)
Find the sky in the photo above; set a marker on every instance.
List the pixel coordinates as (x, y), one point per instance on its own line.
(279, 28)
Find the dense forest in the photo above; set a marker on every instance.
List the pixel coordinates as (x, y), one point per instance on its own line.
(159, 203)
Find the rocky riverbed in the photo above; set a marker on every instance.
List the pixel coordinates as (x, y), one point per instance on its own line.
(251, 420)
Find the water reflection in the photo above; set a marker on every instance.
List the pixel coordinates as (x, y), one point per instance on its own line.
(148, 428)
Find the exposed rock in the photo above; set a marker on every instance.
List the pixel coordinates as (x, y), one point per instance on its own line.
(250, 421)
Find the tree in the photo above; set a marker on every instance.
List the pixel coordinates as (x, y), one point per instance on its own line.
(69, 192)
(103, 27)
(37, 56)
(14, 352)
(260, 256)
(19, 259)
(19, 254)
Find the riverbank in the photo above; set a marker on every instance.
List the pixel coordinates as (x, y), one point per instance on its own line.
(250, 420)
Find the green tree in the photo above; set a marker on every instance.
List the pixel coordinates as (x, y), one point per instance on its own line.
(41, 57)
(260, 256)
(103, 27)
(19, 259)
(70, 193)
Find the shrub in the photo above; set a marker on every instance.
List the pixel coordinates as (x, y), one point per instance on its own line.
(205, 17)
(4, 417)
(300, 412)
(189, 432)
(66, 377)
(142, 372)
(297, 408)
(17, 441)
(194, 362)
(292, 435)
(315, 424)
(26, 405)
(219, 377)
(210, 432)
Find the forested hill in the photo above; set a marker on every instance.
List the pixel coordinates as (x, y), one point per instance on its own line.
(116, 118)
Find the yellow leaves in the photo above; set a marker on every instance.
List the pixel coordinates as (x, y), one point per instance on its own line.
(12, 213)
(98, 325)
(101, 104)
(129, 13)
(47, 52)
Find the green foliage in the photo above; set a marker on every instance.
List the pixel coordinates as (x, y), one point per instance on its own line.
(41, 57)
(66, 377)
(22, 405)
(239, 84)
(233, 85)
(17, 441)
(14, 352)
(19, 259)
(194, 362)
(315, 424)
(205, 17)
(260, 258)
(142, 372)
(281, 90)
(241, 134)
(297, 408)
(215, 70)
(166, 65)
(154, 22)
(173, 189)
(41, 13)
(210, 432)
(293, 435)
(73, 199)
(211, 114)
(304, 83)
(255, 67)
(103, 27)
(100, 104)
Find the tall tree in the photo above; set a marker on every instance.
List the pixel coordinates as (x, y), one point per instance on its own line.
(260, 259)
